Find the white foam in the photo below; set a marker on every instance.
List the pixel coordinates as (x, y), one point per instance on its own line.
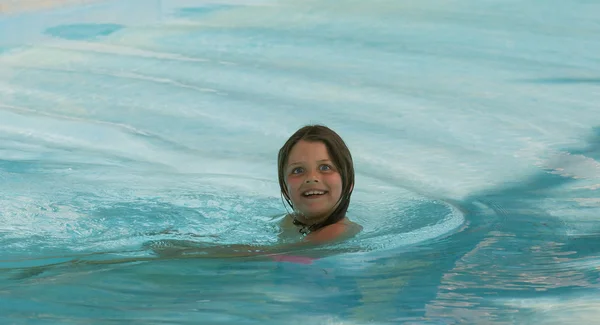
(563, 310)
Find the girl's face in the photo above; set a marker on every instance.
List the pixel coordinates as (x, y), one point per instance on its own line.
(313, 183)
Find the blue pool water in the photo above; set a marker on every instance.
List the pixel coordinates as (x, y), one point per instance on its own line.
(474, 126)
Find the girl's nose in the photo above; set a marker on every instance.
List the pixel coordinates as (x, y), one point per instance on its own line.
(312, 177)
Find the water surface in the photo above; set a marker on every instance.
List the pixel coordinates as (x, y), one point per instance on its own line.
(473, 125)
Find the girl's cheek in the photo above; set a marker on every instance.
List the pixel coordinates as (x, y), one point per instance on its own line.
(293, 180)
(291, 184)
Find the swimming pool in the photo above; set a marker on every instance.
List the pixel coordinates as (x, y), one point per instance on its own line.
(474, 127)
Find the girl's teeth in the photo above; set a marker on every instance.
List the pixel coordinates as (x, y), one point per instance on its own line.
(313, 193)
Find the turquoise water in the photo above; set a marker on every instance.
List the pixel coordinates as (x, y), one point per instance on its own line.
(474, 127)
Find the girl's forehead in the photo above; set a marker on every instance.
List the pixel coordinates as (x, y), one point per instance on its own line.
(304, 150)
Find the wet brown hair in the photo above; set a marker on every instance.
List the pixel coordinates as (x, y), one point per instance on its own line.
(341, 158)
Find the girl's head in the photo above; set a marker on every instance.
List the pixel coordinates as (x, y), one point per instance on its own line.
(316, 175)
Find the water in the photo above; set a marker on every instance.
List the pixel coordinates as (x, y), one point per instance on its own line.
(474, 126)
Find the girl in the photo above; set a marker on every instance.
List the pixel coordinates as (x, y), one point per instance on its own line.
(316, 178)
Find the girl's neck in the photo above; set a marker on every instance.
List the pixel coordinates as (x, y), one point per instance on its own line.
(299, 217)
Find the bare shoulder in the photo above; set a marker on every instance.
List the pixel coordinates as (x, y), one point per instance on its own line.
(286, 222)
(344, 229)
(287, 230)
(353, 228)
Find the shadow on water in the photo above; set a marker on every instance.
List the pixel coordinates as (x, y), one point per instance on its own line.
(519, 252)
(592, 150)
(80, 32)
(512, 246)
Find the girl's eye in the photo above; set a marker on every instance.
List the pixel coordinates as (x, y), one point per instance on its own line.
(297, 170)
(325, 167)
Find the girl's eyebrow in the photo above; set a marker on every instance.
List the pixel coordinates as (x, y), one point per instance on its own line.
(300, 162)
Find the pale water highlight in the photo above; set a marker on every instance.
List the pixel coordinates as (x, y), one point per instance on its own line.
(474, 127)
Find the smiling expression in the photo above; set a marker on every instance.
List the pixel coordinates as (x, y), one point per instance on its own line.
(313, 182)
